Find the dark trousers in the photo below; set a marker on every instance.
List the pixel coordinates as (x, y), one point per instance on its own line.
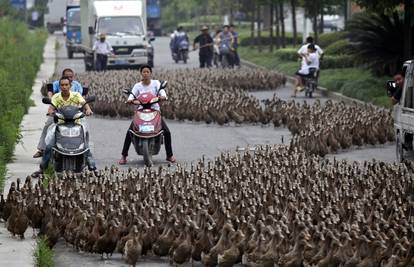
(167, 140)
(205, 60)
(101, 62)
(236, 58)
(47, 155)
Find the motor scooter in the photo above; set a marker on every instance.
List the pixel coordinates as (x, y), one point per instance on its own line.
(146, 131)
(71, 149)
(182, 52)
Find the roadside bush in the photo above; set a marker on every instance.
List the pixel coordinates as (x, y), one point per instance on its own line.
(288, 54)
(341, 47)
(338, 62)
(331, 37)
(265, 40)
(21, 55)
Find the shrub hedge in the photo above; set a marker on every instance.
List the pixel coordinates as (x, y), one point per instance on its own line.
(341, 47)
(265, 40)
(21, 55)
(331, 37)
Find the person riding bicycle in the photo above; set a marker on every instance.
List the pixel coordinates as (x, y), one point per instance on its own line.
(148, 85)
(311, 59)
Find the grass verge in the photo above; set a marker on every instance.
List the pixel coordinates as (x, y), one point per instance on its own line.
(21, 55)
(357, 82)
(43, 255)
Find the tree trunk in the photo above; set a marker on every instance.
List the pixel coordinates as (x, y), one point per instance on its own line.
(321, 22)
(252, 19)
(345, 2)
(271, 27)
(282, 23)
(295, 32)
(259, 30)
(315, 27)
(408, 37)
(276, 11)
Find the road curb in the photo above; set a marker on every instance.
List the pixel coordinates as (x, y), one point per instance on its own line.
(16, 252)
(322, 90)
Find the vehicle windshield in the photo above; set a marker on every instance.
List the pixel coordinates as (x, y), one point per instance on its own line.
(119, 25)
(73, 17)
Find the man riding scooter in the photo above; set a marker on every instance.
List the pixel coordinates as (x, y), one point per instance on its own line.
(147, 85)
(179, 40)
(65, 98)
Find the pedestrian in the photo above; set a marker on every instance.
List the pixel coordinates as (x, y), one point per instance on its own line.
(226, 47)
(102, 48)
(216, 55)
(75, 87)
(206, 47)
(235, 45)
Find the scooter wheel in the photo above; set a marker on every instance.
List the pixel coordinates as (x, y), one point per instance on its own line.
(146, 153)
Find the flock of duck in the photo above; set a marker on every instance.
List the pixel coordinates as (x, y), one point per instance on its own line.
(222, 96)
(275, 206)
(197, 95)
(322, 129)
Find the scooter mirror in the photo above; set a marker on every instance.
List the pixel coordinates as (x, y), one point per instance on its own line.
(163, 84)
(46, 100)
(126, 91)
(90, 99)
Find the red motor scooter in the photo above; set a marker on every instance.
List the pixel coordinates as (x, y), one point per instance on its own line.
(146, 132)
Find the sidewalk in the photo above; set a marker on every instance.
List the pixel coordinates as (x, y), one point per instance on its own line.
(16, 252)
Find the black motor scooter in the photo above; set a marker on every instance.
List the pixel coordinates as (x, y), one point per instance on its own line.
(71, 149)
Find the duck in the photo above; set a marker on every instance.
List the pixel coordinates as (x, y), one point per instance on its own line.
(133, 247)
(182, 253)
(210, 258)
(107, 242)
(232, 255)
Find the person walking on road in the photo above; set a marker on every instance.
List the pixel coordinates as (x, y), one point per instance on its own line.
(75, 87)
(236, 57)
(102, 48)
(206, 47)
(226, 41)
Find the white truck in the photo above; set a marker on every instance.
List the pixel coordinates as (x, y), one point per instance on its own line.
(54, 17)
(404, 113)
(124, 23)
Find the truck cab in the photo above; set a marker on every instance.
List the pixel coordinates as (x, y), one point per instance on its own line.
(124, 24)
(403, 113)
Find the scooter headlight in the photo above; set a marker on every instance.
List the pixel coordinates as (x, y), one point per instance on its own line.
(147, 116)
(70, 131)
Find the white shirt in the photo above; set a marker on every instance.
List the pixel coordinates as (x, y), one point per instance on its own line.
(314, 63)
(304, 50)
(153, 88)
(102, 47)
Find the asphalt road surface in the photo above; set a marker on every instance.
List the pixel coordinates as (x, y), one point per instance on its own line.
(190, 142)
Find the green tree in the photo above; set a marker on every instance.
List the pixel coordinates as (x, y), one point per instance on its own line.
(389, 6)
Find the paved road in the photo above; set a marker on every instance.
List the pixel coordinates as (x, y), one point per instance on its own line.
(190, 142)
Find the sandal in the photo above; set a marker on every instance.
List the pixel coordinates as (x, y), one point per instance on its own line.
(38, 154)
(122, 161)
(171, 159)
(37, 174)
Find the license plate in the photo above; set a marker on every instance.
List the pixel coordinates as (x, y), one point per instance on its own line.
(120, 62)
(146, 128)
